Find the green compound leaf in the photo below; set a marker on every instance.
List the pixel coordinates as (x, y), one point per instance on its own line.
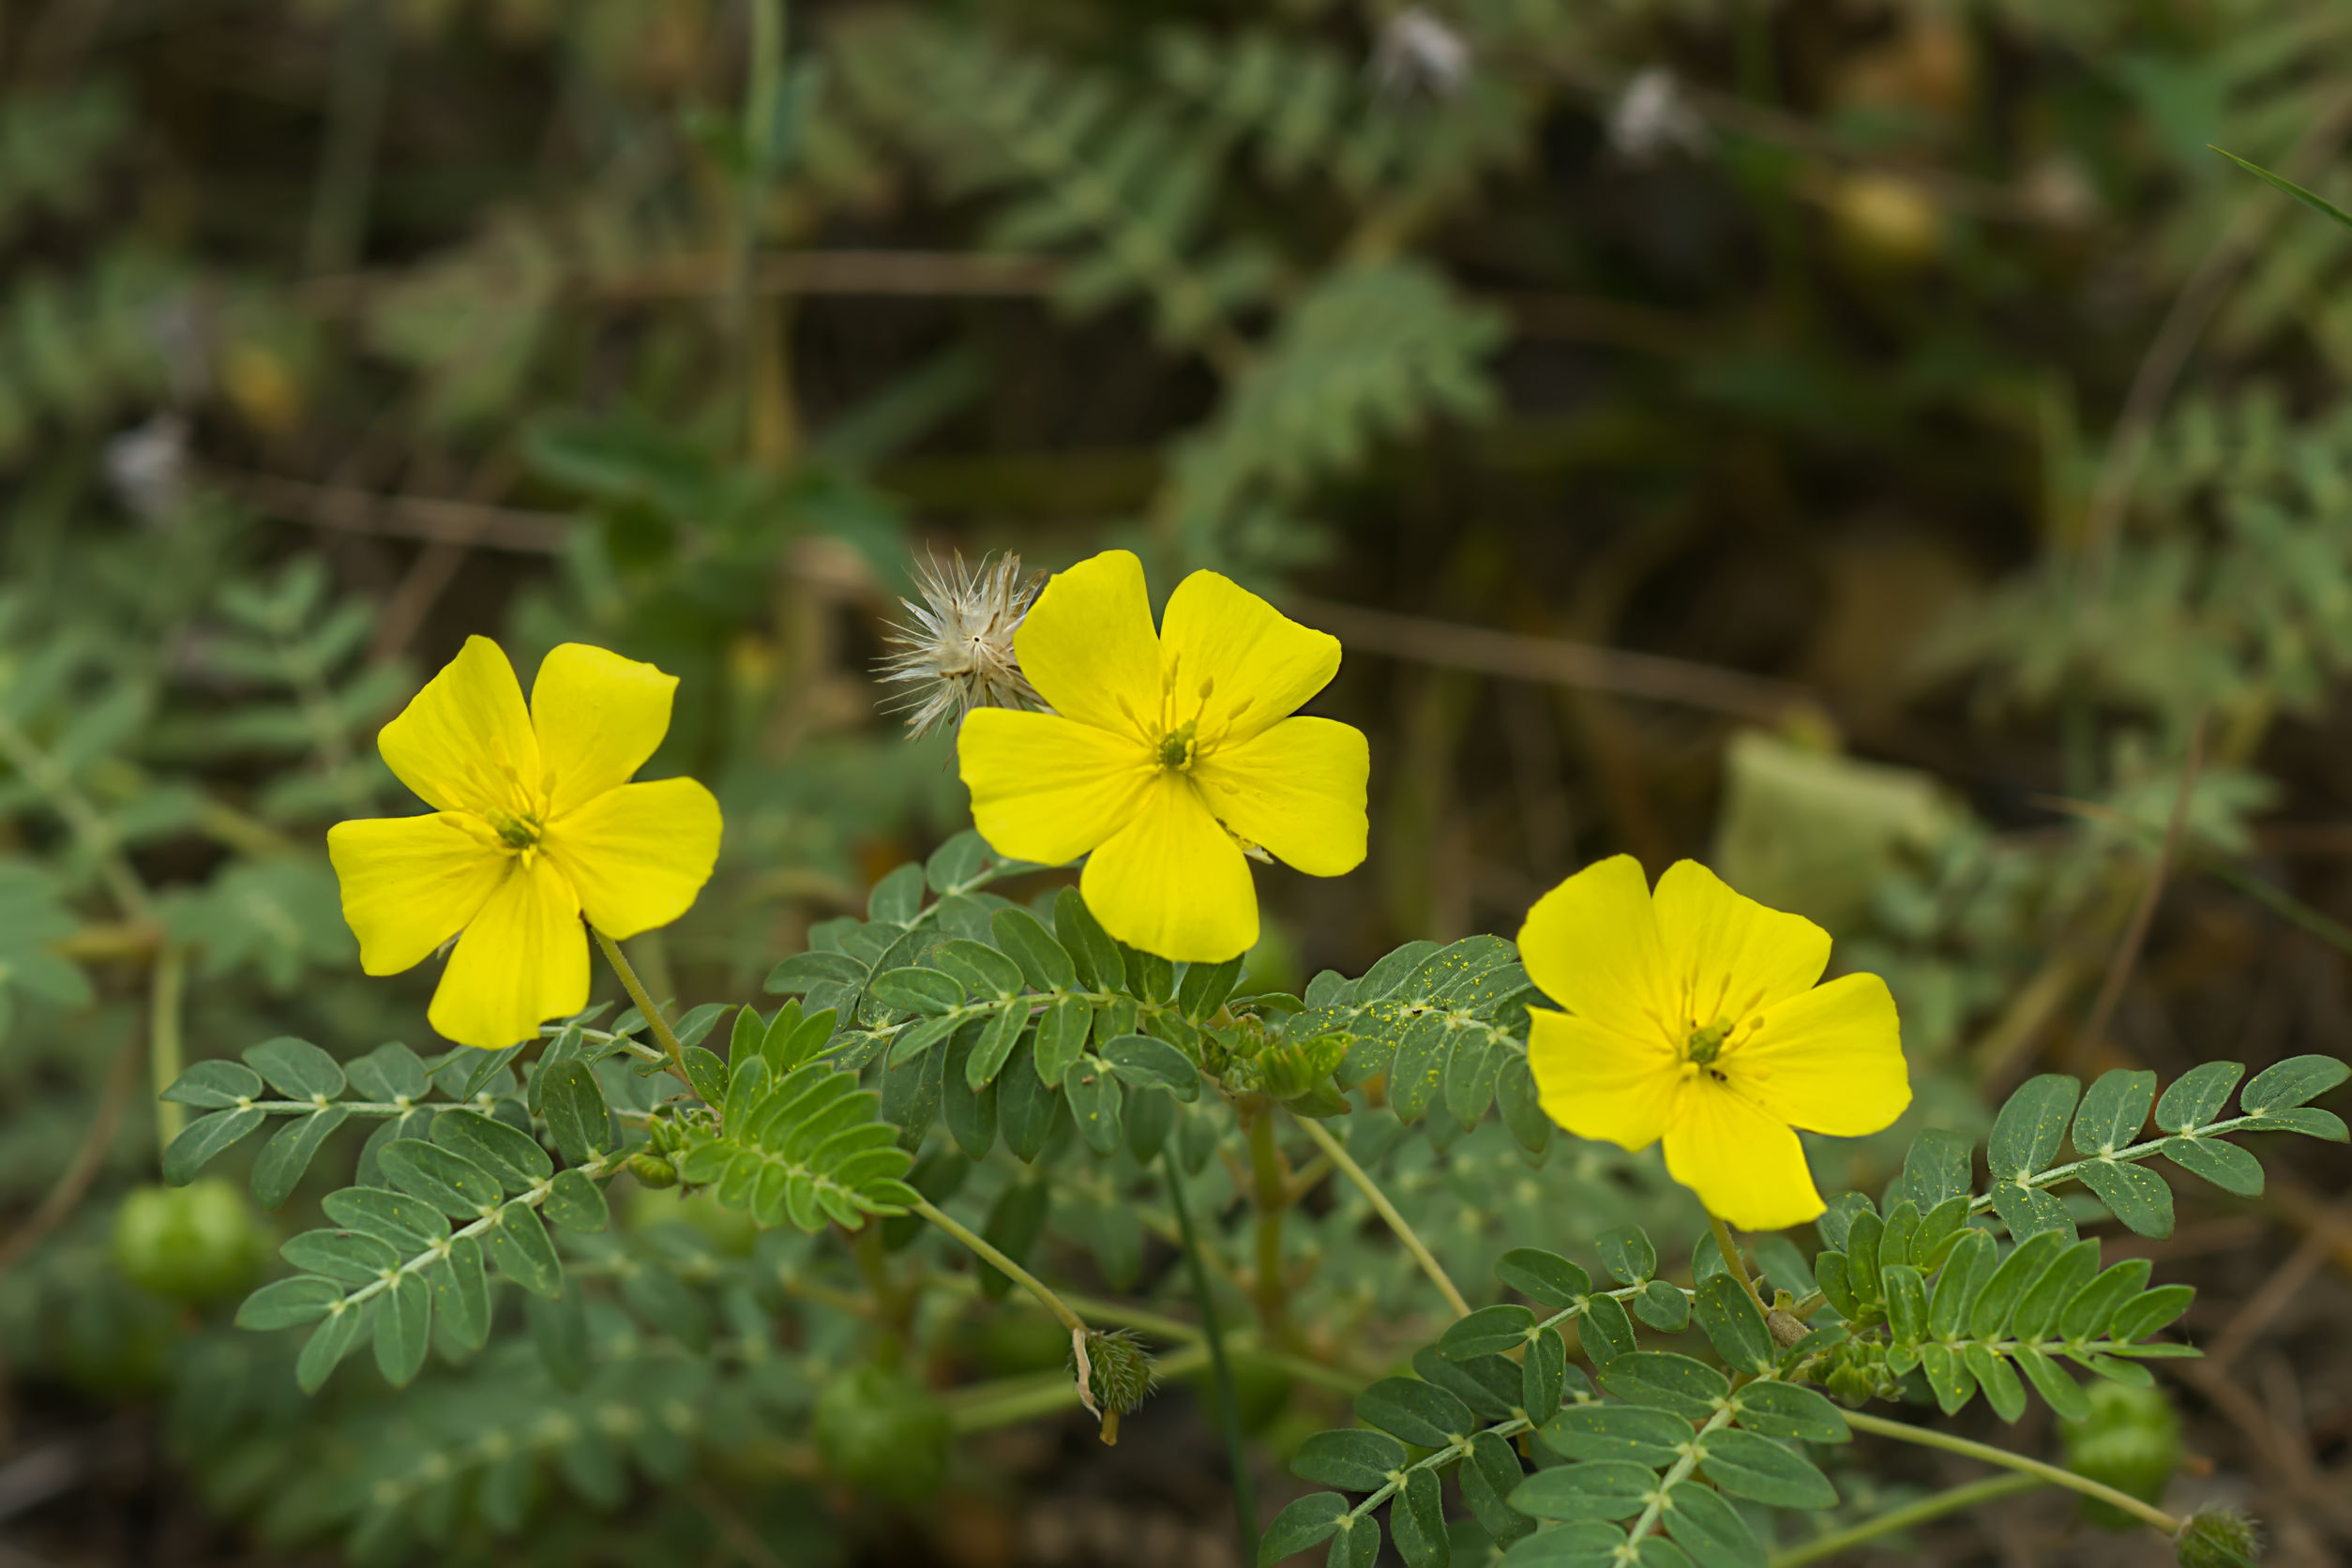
(924, 991)
(1627, 1252)
(1968, 1265)
(1543, 1376)
(1662, 1306)
(1487, 1480)
(2089, 1313)
(288, 1303)
(804, 972)
(205, 1140)
(1489, 1386)
(2010, 1280)
(2113, 1112)
(1710, 1529)
(1733, 1325)
(2027, 1134)
(518, 1243)
(1595, 1490)
(707, 1072)
(1645, 1436)
(1996, 1377)
(1090, 949)
(2292, 1083)
(576, 1116)
(1357, 1545)
(1416, 1522)
(1544, 1276)
(1664, 1380)
(288, 1152)
(1357, 1460)
(1762, 1471)
(461, 1295)
(217, 1085)
(1792, 1411)
(1151, 1063)
(1937, 1168)
(300, 1071)
(1489, 1331)
(1311, 1520)
(2310, 1121)
(2139, 1196)
(2059, 1390)
(1043, 962)
(404, 1317)
(1095, 1099)
(390, 1074)
(408, 1223)
(576, 1203)
(2197, 1096)
(328, 1344)
(1906, 1303)
(442, 1177)
(2224, 1165)
(1205, 987)
(514, 1157)
(349, 1255)
(2031, 1210)
(1607, 1331)
(2149, 1311)
(1576, 1543)
(897, 897)
(2038, 1309)
(986, 973)
(1419, 1412)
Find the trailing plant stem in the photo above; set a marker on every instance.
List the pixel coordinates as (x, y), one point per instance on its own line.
(652, 1015)
(1272, 1193)
(981, 1248)
(166, 992)
(1936, 1506)
(1929, 1438)
(1338, 1153)
(1221, 1371)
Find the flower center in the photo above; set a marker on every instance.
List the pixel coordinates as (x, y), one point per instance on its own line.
(516, 833)
(1705, 1044)
(1178, 746)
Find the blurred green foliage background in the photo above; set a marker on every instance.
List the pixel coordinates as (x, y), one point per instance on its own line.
(1871, 442)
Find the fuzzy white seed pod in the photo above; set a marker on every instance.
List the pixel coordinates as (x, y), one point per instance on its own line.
(956, 647)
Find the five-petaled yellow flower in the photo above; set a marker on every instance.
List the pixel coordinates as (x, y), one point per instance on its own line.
(1168, 755)
(535, 824)
(1694, 1017)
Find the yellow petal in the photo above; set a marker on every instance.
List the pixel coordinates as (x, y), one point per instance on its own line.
(1087, 645)
(524, 960)
(1599, 1083)
(1828, 1060)
(410, 884)
(1748, 1168)
(637, 855)
(1297, 790)
(1045, 788)
(464, 743)
(597, 718)
(1592, 944)
(1729, 956)
(1173, 881)
(1256, 662)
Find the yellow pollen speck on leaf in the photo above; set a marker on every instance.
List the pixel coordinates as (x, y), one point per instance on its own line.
(510, 869)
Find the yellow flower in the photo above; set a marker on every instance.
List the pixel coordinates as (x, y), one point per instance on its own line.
(535, 824)
(1694, 1017)
(1168, 755)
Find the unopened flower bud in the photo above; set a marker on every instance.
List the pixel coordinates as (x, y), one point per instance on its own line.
(652, 1171)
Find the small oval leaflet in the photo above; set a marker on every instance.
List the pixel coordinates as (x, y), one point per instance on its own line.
(1416, 1412)
(1358, 1460)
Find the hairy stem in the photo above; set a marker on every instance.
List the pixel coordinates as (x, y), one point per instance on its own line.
(1270, 1191)
(1929, 1438)
(1337, 1152)
(1732, 1261)
(165, 1052)
(654, 1020)
(981, 1248)
(1229, 1406)
(1821, 1548)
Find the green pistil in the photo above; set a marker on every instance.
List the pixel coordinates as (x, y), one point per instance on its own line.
(1176, 747)
(516, 833)
(1704, 1043)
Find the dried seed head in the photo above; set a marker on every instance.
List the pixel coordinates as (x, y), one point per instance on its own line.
(956, 647)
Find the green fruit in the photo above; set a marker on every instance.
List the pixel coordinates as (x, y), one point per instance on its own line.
(193, 1243)
(881, 1430)
(2219, 1538)
(2131, 1440)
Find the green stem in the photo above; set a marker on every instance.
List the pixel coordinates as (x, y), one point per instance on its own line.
(1229, 1407)
(981, 1248)
(57, 785)
(1337, 1152)
(652, 1015)
(1270, 1191)
(165, 1049)
(1732, 1261)
(1823, 1548)
(1929, 1438)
